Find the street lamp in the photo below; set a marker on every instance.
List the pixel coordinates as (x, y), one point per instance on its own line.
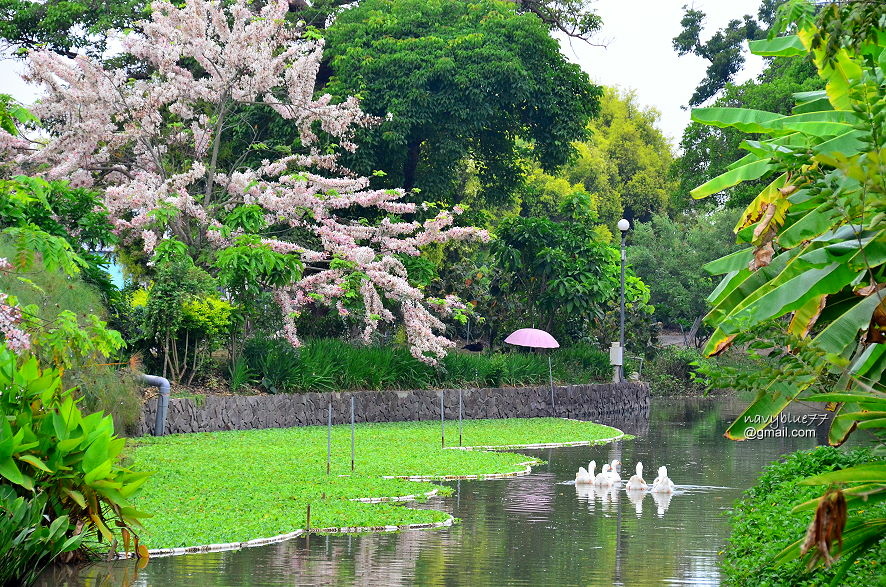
(623, 226)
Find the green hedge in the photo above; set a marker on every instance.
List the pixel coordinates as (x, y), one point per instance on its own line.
(763, 525)
(331, 364)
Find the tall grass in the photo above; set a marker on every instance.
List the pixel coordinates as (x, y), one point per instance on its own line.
(331, 364)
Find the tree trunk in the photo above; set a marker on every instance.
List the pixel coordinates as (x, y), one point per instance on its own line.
(411, 164)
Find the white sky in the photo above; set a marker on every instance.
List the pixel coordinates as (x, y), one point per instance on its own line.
(638, 56)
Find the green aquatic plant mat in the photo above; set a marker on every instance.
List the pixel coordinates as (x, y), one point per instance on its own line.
(236, 486)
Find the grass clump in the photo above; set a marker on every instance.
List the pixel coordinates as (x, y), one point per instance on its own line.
(763, 525)
(237, 486)
(330, 364)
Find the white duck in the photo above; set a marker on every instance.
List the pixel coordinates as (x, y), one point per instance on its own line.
(636, 482)
(586, 476)
(662, 484)
(603, 479)
(613, 471)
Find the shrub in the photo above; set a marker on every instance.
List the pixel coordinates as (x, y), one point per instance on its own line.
(671, 370)
(763, 524)
(28, 544)
(240, 373)
(108, 390)
(47, 446)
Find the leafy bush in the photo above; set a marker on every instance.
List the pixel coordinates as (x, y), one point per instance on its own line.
(27, 543)
(109, 390)
(763, 524)
(48, 446)
(63, 314)
(240, 373)
(180, 319)
(327, 364)
(670, 370)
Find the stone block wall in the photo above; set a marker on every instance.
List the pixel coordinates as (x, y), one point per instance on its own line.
(622, 405)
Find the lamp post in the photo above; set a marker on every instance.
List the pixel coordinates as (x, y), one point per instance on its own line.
(623, 226)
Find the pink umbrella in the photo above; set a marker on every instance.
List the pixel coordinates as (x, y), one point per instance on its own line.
(532, 337)
(539, 339)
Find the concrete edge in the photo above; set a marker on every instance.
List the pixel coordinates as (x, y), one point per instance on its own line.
(205, 548)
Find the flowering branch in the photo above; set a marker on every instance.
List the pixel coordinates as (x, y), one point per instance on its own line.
(157, 141)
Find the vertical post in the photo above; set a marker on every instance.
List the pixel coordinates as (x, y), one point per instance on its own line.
(352, 434)
(551, 377)
(621, 321)
(459, 415)
(442, 425)
(329, 439)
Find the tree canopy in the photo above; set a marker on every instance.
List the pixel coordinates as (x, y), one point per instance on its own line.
(625, 162)
(63, 26)
(724, 49)
(471, 79)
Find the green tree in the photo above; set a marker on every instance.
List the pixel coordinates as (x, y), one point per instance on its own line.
(66, 27)
(724, 49)
(625, 164)
(461, 81)
(668, 255)
(557, 276)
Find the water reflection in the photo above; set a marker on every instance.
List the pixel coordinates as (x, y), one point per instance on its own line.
(538, 529)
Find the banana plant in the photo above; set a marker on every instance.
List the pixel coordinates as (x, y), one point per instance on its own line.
(815, 266)
(816, 233)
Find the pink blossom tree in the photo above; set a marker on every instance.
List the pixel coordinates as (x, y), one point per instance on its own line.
(154, 145)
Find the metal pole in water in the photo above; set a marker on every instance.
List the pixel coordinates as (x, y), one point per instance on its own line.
(459, 416)
(352, 434)
(442, 425)
(329, 440)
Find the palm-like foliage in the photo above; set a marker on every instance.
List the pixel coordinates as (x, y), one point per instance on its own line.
(818, 254)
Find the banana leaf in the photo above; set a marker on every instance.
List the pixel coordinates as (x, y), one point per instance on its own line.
(805, 317)
(744, 119)
(735, 176)
(841, 335)
(866, 473)
(792, 295)
(790, 46)
(868, 494)
(768, 404)
(731, 262)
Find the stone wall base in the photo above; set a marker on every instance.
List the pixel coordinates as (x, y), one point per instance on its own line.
(617, 404)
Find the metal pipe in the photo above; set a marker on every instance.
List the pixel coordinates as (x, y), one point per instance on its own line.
(162, 404)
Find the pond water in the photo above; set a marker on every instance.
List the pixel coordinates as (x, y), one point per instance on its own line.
(534, 530)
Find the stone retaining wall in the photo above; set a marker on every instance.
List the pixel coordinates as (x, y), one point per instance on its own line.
(618, 405)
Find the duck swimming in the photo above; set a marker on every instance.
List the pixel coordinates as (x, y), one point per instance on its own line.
(603, 478)
(636, 482)
(613, 471)
(586, 476)
(662, 483)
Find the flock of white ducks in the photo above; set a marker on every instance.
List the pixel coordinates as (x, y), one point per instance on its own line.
(609, 477)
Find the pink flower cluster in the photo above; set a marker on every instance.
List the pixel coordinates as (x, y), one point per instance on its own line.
(16, 339)
(153, 145)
